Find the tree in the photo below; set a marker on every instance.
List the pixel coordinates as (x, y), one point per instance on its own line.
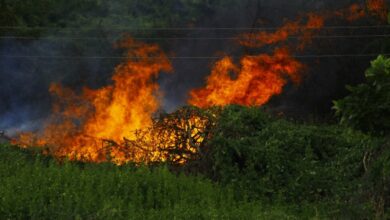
(367, 107)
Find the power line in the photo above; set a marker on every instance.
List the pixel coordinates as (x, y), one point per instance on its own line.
(183, 57)
(190, 38)
(187, 28)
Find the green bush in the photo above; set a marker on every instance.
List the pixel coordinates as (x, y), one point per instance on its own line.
(281, 160)
(367, 107)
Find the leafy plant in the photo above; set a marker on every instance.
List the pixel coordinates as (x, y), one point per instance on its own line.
(367, 107)
(277, 160)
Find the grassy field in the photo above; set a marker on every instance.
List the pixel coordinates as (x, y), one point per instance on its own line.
(38, 187)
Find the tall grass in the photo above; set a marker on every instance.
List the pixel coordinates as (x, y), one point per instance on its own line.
(38, 187)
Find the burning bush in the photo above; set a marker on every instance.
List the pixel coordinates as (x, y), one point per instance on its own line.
(175, 138)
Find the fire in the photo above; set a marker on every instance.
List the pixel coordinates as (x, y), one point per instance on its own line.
(291, 28)
(378, 7)
(117, 122)
(352, 13)
(260, 77)
(182, 135)
(253, 83)
(357, 11)
(81, 123)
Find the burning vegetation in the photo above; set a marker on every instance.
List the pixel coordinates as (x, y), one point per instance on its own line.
(118, 122)
(115, 123)
(81, 125)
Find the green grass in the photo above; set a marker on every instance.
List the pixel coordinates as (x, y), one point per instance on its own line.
(36, 187)
(255, 166)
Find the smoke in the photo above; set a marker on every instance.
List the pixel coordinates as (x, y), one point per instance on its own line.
(24, 82)
(28, 67)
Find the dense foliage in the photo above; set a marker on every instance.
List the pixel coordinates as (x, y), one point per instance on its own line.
(274, 159)
(367, 107)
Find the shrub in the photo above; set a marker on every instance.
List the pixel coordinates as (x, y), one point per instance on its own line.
(367, 107)
(281, 160)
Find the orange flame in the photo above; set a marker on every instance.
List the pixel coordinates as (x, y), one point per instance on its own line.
(292, 28)
(253, 83)
(259, 77)
(80, 122)
(115, 123)
(262, 76)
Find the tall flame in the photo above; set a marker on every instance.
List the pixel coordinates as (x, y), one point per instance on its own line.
(253, 83)
(260, 77)
(80, 122)
(115, 123)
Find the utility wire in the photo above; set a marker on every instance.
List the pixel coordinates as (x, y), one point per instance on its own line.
(183, 57)
(187, 28)
(191, 38)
